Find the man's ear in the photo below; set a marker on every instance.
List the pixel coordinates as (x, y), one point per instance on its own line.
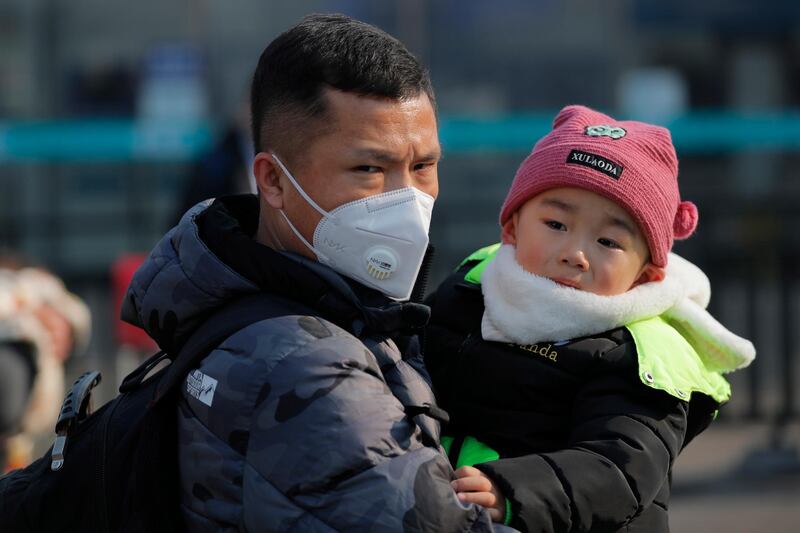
(267, 174)
(650, 272)
(508, 234)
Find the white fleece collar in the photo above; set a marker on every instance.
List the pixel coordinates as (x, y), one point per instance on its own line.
(523, 308)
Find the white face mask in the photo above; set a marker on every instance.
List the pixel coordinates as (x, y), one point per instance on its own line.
(379, 241)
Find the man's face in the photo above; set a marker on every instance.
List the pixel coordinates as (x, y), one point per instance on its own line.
(580, 239)
(365, 146)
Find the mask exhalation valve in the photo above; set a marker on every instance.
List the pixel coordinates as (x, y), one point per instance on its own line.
(381, 262)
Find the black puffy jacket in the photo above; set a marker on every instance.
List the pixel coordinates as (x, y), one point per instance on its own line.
(583, 444)
(305, 422)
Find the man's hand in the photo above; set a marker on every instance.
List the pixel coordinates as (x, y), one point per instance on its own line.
(473, 486)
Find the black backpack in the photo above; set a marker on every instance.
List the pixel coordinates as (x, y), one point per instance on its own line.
(116, 469)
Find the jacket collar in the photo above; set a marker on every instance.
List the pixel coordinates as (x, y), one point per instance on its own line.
(227, 227)
(525, 309)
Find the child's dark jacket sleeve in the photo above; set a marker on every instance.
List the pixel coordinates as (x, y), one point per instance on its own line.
(623, 442)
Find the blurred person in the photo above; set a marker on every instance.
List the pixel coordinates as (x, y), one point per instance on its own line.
(133, 345)
(41, 323)
(315, 420)
(225, 169)
(576, 357)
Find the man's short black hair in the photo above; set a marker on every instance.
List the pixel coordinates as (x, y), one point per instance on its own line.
(327, 51)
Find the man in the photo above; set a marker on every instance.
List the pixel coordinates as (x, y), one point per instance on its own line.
(314, 421)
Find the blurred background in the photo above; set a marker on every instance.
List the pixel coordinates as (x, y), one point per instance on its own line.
(114, 116)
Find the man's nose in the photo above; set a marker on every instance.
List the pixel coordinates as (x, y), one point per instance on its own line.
(400, 178)
(573, 255)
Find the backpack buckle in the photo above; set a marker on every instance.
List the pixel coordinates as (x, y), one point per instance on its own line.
(58, 452)
(76, 407)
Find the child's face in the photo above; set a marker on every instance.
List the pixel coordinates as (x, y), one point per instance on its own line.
(581, 239)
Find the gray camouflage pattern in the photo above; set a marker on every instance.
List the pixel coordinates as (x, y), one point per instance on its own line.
(304, 428)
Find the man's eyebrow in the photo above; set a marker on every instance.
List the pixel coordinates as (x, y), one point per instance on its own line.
(435, 154)
(375, 155)
(388, 157)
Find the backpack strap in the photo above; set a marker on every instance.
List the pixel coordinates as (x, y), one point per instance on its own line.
(221, 325)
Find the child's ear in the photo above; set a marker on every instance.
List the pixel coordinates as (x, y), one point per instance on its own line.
(650, 272)
(508, 235)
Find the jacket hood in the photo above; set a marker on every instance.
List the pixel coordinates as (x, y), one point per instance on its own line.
(211, 257)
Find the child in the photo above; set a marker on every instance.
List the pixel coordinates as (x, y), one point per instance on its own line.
(576, 359)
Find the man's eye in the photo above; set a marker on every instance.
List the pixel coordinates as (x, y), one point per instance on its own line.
(554, 224)
(608, 243)
(368, 168)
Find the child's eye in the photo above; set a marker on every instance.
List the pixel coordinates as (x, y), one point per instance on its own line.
(556, 225)
(608, 243)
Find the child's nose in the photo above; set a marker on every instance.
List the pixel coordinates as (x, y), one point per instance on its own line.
(574, 257)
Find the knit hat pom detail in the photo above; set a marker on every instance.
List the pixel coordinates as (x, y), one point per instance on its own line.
(685, 220)
(578, 112)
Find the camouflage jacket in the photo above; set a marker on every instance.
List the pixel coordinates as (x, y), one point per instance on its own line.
(295, 423)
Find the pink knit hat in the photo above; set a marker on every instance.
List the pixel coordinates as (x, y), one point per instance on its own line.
(632, 163)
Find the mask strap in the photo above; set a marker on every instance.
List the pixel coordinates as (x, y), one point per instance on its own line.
(299, 189)
(320, 255)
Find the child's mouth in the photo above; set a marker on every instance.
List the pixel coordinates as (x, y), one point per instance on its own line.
(566, 282)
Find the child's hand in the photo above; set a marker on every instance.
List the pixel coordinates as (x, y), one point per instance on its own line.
(473, 486)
